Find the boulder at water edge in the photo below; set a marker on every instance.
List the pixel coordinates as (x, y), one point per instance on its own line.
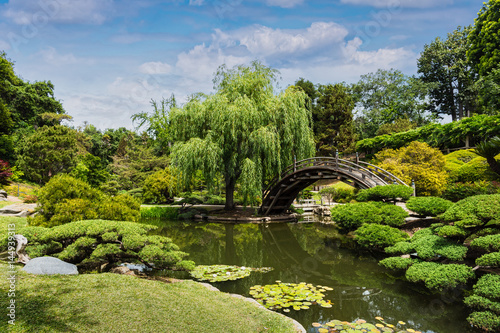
(50, 266)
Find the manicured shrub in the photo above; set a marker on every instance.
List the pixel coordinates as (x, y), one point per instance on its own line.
(400, 248)
(474, 212)
(452, 231)
(458, 191)
(92, 243)
(351, 216)
(485, 320)
(397, 263)
(439, 276)
(486, 297)
(160, 187)
(488, 243)
(458, 158)
(65, 199)
(489, 259)
(475, 170)
(428, 206)
(432, 246)
(418, 162)
(385, 193)
(378, 236)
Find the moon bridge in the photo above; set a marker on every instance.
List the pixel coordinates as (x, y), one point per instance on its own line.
(283, 189)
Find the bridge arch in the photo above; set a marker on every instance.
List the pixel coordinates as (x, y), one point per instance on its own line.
(282, 190)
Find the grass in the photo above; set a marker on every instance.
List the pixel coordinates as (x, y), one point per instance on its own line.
(160, 212)
(119, 303)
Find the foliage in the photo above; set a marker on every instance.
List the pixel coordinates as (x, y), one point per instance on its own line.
(417, 162)
(399, 125)
(489, 89)
(48, 152)
(488, 243)
(160, 212)
(438, 276)
(451, 135)
(65, 199)
(444, 66)
(360, 325)
(5, 173)
(428, 206)
(90, 169)
(243, 132)
(94, 242)
(160, 187)
(458, 191)
(379, 236)
(351, 216)
(397, 263)
(458, 158)
(475, 212)
(489, 259)
(400, 248)
(475, 170)
(385, 193)
(290, 295)
(220, 273)
(489, 149)
(333, 120)
(486, 297)
(484, 39)
(339, 194)
(387, 95)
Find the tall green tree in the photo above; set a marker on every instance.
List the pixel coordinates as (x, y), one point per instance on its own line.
(386, 95)
(243, 132)
(484, 39)
(333, 120)
(49, 151)
(443, 64)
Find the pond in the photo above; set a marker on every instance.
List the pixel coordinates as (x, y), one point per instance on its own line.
(316, 253)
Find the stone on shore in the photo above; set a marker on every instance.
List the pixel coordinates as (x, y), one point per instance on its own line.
(50, 266)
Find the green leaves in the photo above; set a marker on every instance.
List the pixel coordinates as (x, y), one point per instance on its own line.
(486, 297)
(288, 296)
(361, 325)
(219, 273)
(439, 276)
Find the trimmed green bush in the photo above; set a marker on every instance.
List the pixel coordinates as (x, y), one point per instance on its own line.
(488, 243)
(351, 216)
(379, 236)
(489, 259)
(397, 263)
(400, 248)
(485, 320)
(385, 193)
(439, 276)
(95, 242)
(475, 170)
(431, 246)
(458, 191)
(458, 158)
(474, 212)
(160, 187)
(486, 296)
(428, 206)
(452, 231)
(482, 303)
(488, 286)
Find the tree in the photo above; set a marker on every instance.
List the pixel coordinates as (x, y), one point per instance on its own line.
(90, 169)
(444, 65)
(160, 187)
(489, 149)
(484, 39)
(387, 95)
(333, 120)
(158, 123)
(243, 132)
(399, 125)
(49, 151)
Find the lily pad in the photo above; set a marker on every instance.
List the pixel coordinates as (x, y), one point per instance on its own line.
(219, 273)
(285, 295)
(360, 325)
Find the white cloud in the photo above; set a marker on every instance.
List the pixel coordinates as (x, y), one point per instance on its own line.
(39, 13)
(284, 3)
(155, 67)
(196, 2)
(51, 56)
(398, 3)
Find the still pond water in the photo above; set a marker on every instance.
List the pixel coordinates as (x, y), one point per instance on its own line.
(315, 253)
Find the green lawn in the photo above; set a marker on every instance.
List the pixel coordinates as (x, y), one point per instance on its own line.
(120, 303)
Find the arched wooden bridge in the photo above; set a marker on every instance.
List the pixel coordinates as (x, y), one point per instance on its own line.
(283, 189)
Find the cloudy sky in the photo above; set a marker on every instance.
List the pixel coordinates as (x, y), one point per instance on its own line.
(109, 58)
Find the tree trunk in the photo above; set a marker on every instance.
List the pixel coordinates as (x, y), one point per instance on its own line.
(230, 185)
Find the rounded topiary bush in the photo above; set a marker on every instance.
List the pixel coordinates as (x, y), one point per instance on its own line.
(428, 206)
(474, 212)
(351, 216)
(397, 263)
(439, 276)
(385, 193)
(378, 236)
(486, 299)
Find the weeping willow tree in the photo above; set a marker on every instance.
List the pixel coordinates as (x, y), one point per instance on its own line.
(243, 132)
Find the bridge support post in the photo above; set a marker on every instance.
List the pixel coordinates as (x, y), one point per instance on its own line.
(336, 158)
(294, 163)
(413, 187)
(357, 158)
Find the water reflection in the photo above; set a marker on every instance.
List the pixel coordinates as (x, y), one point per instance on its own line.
(316, 253)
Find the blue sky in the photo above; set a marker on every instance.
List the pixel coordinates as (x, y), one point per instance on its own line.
(109, 58)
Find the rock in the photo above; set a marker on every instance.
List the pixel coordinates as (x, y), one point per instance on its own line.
(50, 266)
(19, 210)
(322, 211)
(22, 256)
(122, 270)
(3, 194)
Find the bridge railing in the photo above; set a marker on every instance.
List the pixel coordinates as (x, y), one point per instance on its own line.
(366, 169)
